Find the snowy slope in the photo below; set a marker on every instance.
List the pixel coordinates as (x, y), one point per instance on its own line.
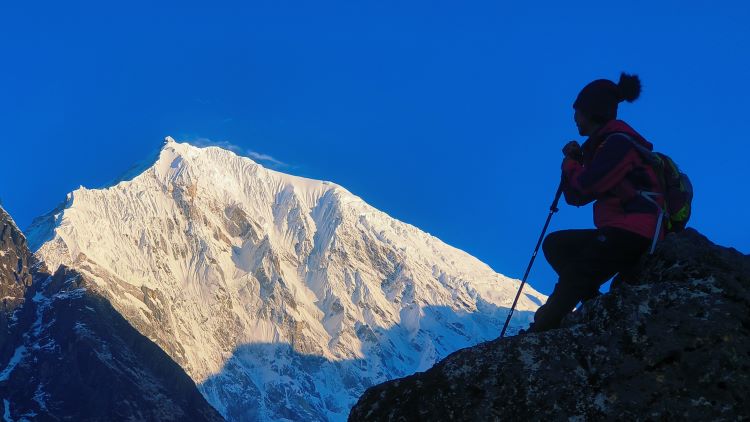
(282, 297)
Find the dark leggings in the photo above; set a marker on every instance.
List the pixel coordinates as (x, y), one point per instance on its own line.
(584, 260)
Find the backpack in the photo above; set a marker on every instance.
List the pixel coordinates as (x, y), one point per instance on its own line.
(678, 193)
(678, 190)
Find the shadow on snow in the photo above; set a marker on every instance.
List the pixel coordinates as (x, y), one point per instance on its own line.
(276, 381)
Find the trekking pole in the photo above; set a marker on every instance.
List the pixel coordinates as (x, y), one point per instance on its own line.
(552, 210)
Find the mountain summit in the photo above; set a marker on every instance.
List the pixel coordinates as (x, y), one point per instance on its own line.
(281, 297)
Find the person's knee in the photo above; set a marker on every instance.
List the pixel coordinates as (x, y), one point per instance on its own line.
(551, 246)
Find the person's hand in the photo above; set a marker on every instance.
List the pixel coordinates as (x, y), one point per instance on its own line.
(572, 150)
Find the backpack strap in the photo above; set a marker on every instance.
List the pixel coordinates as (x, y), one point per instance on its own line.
(649, 196)
(652, 160)
(648, 155)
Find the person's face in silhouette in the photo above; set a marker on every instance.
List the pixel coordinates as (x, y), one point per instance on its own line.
(586, 124)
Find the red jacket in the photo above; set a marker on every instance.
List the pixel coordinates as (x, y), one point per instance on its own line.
(612, 173)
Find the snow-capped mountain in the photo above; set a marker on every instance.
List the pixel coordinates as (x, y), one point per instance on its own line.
(282, 297)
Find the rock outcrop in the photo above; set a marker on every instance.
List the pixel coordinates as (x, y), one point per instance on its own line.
(15, 260)
(15, 279)
(672, 343)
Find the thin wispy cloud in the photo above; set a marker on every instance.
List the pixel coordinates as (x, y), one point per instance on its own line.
(265, 157)
(205, 142)
(255, 155)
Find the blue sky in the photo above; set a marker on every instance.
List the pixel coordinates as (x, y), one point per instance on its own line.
(447, 115)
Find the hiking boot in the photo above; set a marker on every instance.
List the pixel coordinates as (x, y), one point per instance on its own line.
(524, 331)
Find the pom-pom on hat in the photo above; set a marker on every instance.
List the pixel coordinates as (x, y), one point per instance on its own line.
(601, 97)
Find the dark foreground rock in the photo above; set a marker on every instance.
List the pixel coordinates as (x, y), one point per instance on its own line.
(67, 354)
(672, 344)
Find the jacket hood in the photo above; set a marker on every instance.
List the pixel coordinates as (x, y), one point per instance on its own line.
(618, 126)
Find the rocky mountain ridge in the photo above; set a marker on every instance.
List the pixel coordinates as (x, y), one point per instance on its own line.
(68, 355)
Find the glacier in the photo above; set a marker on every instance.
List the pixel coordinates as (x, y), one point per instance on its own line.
(282, 297)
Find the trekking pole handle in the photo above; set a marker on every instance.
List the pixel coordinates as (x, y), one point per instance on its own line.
(552, 210)
(558, 194)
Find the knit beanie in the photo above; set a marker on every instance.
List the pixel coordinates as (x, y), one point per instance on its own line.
(601, 97)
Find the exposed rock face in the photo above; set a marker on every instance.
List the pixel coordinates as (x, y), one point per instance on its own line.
(673, 344)
(14, 265)
(15, 278)
(67, 354)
